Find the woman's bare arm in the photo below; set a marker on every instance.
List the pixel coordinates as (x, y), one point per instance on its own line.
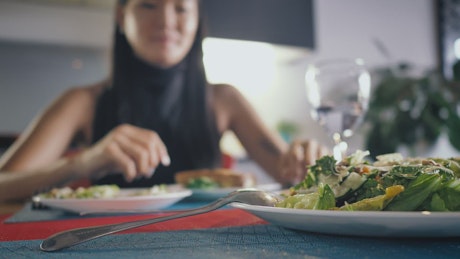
(49, 135)
(34, 162)
(24, 184)
(287, 163)
(262, 145)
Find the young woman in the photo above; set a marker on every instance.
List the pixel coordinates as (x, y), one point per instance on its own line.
(155, 115)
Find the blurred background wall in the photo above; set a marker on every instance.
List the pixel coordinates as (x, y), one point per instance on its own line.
(47, 47)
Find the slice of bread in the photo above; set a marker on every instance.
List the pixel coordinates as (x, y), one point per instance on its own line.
(223, 177)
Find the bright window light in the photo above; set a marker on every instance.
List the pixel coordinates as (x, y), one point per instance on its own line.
(249, 66)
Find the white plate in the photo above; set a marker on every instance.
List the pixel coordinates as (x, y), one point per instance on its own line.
(213, 194)
(361, 223)
(125, 202)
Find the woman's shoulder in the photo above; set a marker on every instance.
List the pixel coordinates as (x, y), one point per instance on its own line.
(226, 93)
(82, 95)
(229, 103)
(87, 91)
(78, 103)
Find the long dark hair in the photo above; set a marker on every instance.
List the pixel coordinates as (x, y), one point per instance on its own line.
(197, 128)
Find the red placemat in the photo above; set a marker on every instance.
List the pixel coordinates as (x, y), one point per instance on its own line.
(43, 229)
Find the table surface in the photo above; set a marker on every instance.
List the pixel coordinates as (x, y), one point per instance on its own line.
(10, 208)
(224, 233)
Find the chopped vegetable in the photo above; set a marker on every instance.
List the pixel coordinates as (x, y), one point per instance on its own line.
(378, 202)
(321, 200)
(101, 191)
(96, 191)
(202, 183)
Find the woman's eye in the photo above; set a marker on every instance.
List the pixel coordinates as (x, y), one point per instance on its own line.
(148, 5)
(181, 9)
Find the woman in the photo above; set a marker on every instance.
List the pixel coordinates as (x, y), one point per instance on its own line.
(156, 113)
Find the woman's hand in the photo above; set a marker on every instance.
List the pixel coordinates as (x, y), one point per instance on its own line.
(294, 162)
(128, 149)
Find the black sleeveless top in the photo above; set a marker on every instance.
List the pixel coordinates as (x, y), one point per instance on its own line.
(158, 99)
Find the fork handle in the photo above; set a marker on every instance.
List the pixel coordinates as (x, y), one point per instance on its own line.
(79, 235)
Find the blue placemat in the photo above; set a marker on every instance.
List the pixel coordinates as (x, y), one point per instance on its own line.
(28, 214)
(261, 241)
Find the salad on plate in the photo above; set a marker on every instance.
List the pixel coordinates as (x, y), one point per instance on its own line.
(391, 183)
(101, 192)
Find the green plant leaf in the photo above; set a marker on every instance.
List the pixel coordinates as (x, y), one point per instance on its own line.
(407, 110)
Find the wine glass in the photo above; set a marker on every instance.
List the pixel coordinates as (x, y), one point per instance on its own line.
(338, 95)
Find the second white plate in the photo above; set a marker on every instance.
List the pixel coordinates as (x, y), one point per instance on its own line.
(127, 201)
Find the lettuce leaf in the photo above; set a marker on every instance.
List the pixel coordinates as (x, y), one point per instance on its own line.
(322, 199)
(376, 203)
(416, 193)
(450, 195)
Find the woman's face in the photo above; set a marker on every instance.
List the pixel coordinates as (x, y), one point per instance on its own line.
(161, 32)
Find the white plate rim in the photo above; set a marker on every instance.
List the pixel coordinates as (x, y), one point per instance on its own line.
(388, 223)
(174, 194)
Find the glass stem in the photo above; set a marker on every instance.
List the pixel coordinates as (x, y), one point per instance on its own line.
(340, 148)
